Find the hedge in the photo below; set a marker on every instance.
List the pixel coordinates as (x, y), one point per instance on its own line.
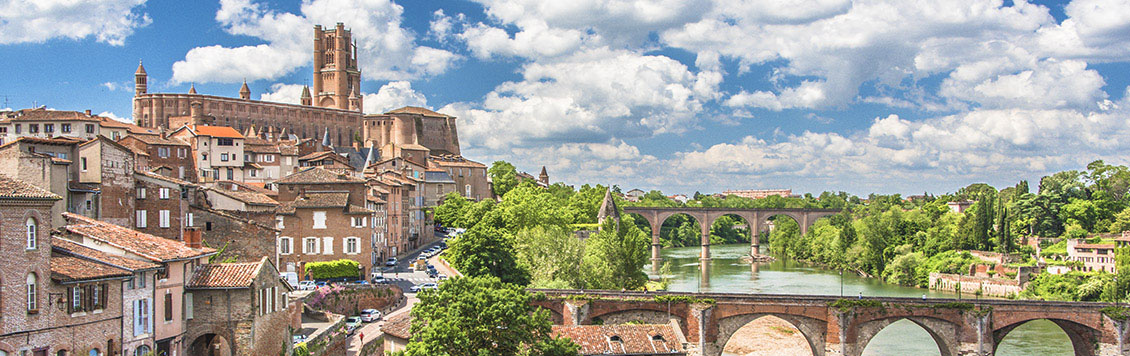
(333, 269)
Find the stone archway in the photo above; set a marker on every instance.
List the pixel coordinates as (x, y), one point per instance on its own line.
(1083, 338)
(944, 333)
(813, 331)
(211, 345)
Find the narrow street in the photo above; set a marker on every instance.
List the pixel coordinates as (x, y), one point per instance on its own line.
(404, 277)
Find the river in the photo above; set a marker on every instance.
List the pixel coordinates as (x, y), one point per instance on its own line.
(727, 273)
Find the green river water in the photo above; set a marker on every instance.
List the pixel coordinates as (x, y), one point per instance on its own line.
(728, 274)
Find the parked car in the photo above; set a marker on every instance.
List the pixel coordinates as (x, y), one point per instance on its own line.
(306, 285)
(391, 262)
(370, 315)
(298, 338)
(420, 287)
(441, 276)
(433, 273)
(379, 279)
(320, 284)
(352, 323)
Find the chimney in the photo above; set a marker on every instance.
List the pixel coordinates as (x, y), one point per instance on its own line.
(192, 237)
(87, 112)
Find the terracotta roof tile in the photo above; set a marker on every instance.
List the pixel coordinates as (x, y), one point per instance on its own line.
(224, 275)
(254, 187)
(69, 247)
(318, 175)
(164, 178)
(11, 188)
(67, 269)
(640, 339)
(253, 198)
(154, 248)
(216, 131)
(454, 161)
(158, 140)
(44, 114)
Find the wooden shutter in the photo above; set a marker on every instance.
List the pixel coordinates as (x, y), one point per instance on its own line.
(70, 297)
(103, 296)
(87, 301)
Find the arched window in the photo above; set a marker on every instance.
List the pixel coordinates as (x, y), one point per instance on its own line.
(32, 239)
(141, 350)
(31, 292)
(95, 352)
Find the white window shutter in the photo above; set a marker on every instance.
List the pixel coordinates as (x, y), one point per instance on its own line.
(328, 247)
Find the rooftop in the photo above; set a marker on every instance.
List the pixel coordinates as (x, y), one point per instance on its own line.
(70, 269)
(216, 131)
(158, 140)
(11, 188)
(318, 175)
(624, 339)
(416, 110)
(247, 197)
(225, 275)
(72, 248)
(153, 248)
(398, 325)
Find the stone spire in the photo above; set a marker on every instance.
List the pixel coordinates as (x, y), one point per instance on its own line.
(251, 132)
(306, 99)
(369, 158)
(543, 177)
(244, 91)
(355, 99)
(608, 210)
(140, 69)
(326, 143)
(192, 89)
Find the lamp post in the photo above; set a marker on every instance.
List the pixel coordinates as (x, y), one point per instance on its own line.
(841, 282)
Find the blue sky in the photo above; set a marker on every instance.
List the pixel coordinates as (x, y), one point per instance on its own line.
(888, 96)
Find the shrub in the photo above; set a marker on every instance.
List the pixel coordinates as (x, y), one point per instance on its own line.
(333, 269)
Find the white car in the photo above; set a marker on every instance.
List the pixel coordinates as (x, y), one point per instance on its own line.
(370, 315)
(391, 262)
(307, 285)
(420, 287)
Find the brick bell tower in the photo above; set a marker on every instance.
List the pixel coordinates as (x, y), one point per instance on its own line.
(336, 75)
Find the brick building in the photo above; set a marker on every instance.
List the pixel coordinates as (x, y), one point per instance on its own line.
(470, 177)
(107, 167)
(172, 155)
(335, 106)
(177, 261)
(43, 123)
(324, 226)
(162, 204)
(46, 163)
(238, 309)
(760, 193)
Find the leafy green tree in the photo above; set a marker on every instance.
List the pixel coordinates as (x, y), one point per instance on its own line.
(552, 255)
(503, 177)
(486, 251)
(903, 269)
(480, 316)
(450, 212)
(614, 257)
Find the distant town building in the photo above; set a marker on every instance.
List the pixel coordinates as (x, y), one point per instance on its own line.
(1095, 257)
(625, 339)
(634, 195)
(959, 206)
(44, 123)
(760, 193)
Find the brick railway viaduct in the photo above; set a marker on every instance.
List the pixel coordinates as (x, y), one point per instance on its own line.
(841, 327)
(706, 216)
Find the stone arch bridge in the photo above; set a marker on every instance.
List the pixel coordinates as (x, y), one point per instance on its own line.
(706, 217)
(834, 326)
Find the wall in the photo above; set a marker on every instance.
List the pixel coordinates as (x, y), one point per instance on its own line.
(247, 239)
(300, 226)
(992, 287)
(153, 204)
(117, 184)
(352, 299)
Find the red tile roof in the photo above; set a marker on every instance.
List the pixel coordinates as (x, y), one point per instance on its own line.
(154, 248)
(69, 269)
(623, 339)
(248, 197)
(398, 326)
(216, 131)
(12, 189)
(224, 275)
(318, 175)
(71, 248)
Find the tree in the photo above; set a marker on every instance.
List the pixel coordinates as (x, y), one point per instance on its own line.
(451, 210)
(479, 316)
(503, 177)
(552, 255)
(486, 251)
(614, 257)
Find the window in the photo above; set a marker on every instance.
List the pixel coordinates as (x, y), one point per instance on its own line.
(83, 160)
(141, 192)
(163, 152)
(76, 299)
(231, 174)
(141, 280)
(65, 128)
(168, 306)
(180, 172)
(163, 193)
(188, 308)
(310, 245)
(328, 245)
(17, 129)
(97, 294)
(141, 350)
(90, 128)
(48, 128)
(279, 222)
(224, 141)
(203, 156)
(352, 245)
(163, 218)
(32, 237)
(32, 128)
(247, 158)
(357, 221)
(223, 157)
(319, 220)
(141, 321)
(188, 219)
(141, 219)
(254, 172)
(32, 292)
(216, 173)
(89, 205)
(468, 189)
(180, 152)
(285, 245)
(267, 158)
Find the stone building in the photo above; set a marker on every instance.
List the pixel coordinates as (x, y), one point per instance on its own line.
(412, 125)
(217, 150)
(404, 216)
(137, 294)
(245, 237)
(177, 261)
(165, 155)
(470, 177)
(162, 204)
(238, 309)
(325, 226)
(43, 123)
(1095, 257)
(335, 106)
(46, 163)
(107, 167)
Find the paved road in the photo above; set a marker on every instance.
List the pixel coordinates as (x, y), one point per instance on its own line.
(405, 278)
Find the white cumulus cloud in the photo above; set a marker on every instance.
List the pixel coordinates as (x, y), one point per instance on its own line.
(393, 95)
(36, 21)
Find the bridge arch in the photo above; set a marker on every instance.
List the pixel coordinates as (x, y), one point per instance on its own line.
(812, 330)
(944, 333)
(1083, 338)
